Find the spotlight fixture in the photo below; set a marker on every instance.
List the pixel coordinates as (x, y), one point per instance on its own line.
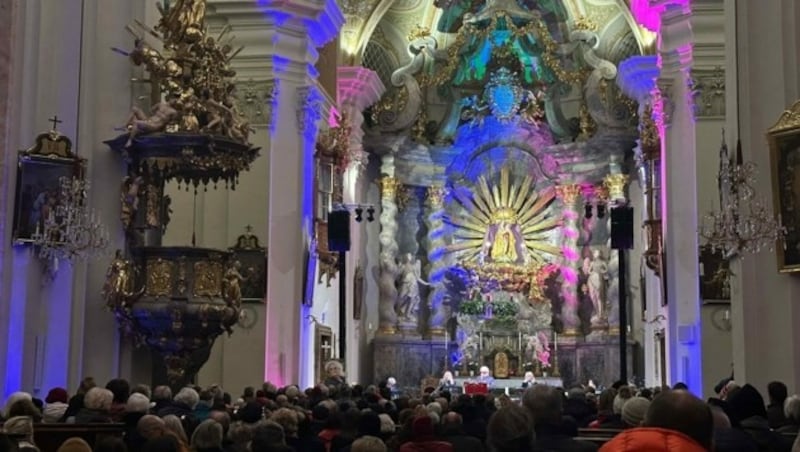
(601, 210)
(588, 211)
(370, 214)
(359, 212)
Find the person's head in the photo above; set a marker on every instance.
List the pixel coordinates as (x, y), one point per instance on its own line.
(452, 420)
(188, 397)
(634, 410)
(721, 420)
(529, 376)
(142, 389)
(267, 434)
(137, 403)
(391, 382)
(164, 443)
(120, 389)
(150, 426)
(777, 393)
(447, 375)
(86, 384)
(791, 409)
(74, 444)
(207, 436)
(544, 404)
(509, 429)
(223, 418)
(484, 371)
(623, 394)
(746, 403)
(682, 412)
(606, 401)
(240, 433)
(287, 419)
(334, 369)
(680, 386)
(173, 424)
(25, 407)
(98, 399)
(162, 393)
(13, 398)
(368, 444)
(57, 395)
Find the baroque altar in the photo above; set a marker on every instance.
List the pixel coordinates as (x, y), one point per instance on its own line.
(508, 154)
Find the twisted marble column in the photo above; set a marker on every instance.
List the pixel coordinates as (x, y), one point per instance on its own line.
(615, 185)
(387, 317)
(568, 194)
(436, 258)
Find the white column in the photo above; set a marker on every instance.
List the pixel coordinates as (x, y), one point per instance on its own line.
(679, 199)
(358, 88)
(297, 115)
(763, 64)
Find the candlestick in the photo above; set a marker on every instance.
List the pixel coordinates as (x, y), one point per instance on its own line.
(555, 341)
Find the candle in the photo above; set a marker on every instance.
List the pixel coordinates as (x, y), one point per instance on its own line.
(519, 340)
(555, 341)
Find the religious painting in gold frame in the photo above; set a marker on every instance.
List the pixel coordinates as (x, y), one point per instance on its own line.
(784, 145)
(323, 350)
(253, 257)
(40, 171)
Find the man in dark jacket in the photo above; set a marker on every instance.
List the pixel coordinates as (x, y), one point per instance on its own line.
(454, 434)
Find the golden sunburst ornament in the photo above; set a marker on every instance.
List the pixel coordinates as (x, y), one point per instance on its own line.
(505, 225)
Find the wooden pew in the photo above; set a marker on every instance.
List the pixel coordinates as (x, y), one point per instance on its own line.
(598, 436)
(48, 437)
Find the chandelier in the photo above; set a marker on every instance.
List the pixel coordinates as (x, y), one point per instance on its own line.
(71, 230)
(743, 224)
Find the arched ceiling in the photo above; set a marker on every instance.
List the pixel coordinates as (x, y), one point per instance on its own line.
(389, 22)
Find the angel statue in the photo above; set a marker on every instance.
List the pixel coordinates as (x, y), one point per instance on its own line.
(129, 199)
(408, 298)
(118, 288)
(231, 284)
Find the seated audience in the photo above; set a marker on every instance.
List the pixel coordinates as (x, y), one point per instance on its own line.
(544, 405)
(96, 405)
(423, 437)
(791, 409)
(485, 376)
(676, 421)
(453, 433)
(74, 445)
(56, 405)
(509, 430)
(368, 444)
(777, 393)
(747, 406)
(727, 438)
(633, 411)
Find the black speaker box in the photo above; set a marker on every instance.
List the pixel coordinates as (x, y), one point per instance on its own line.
(622, 228)
(339, 231)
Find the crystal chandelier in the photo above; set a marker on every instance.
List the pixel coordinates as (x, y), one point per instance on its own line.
(743, 224)
(71, 230)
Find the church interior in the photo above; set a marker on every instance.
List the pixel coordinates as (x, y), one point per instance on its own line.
(230, 192)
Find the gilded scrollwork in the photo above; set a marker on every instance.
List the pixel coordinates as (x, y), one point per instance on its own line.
(207, 279)
(159, 278)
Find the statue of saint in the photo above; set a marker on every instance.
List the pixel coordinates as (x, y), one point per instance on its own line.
(408, 293)
(232, 289)
(118, 288)
(504, 248)
(597, 269)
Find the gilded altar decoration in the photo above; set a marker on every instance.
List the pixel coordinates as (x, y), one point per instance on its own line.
(119, 288)
(568, 193)
(584, 23)
(419, 31)
(207, 279)
(231, 285)
(615, 183)
(389, 186)
(193, 73)
(505, 235)
(334, 143)
(129, 199)
(436, 194)
(159, 278)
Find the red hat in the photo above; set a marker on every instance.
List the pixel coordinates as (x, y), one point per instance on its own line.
(422, 427)
(57, 395)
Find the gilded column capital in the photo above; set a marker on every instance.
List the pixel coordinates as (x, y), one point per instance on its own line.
(389, 186)
(436, 195)
(615, 183)
(568, 193)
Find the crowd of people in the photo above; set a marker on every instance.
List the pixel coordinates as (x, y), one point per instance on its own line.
(334, 416)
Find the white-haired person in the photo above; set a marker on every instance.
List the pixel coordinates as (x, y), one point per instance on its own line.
(447, 382)
(485, 376)
(96, 407)
(529, 380)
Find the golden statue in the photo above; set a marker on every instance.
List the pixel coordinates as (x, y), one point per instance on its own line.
(501, 365)
(118, 288)
(504, 248)
(231, 285)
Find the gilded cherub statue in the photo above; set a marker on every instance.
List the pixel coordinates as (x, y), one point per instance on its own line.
(161, 115)
(118, 288)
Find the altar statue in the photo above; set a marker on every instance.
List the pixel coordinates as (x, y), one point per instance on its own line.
(504, 248)
(597, 269)
(232, 289)
(160, 116)
(118, 288)
(408, 294)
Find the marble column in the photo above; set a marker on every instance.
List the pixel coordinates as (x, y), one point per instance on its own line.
(569, 194)
(437, 258)
(387, 317)
(674, 111)
(357, 88)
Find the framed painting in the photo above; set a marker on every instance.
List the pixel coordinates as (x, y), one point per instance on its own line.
(715, 276)
(784, 145)
(41, 171)
(253, 258)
